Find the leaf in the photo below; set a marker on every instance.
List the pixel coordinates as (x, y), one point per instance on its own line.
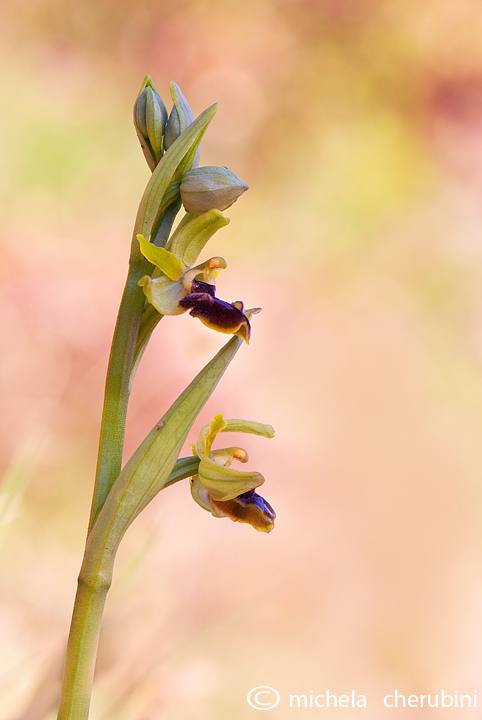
(149, 469)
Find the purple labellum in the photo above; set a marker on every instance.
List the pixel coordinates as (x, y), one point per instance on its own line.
(214, 312)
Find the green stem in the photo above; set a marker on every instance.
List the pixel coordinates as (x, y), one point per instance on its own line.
(93, 585)
(117, 387)
(128, 345)
(84, 639)
(184, 468)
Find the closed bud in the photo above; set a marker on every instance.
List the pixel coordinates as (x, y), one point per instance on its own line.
(210, 188)
(180, 118)
(173, 128)
(150, 116)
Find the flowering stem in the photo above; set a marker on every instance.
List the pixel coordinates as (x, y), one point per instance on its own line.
(93, 585)
(125, 498)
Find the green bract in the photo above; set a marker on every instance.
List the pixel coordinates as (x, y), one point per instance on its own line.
(149, 468)
(180, 118)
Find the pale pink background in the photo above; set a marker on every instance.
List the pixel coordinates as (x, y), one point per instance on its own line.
(358, 125)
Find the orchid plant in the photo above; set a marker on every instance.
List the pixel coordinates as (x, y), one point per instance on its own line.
(163, 279)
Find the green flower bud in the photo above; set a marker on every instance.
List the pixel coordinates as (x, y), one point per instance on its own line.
(180, 118)
(173, 128)
(150, 116)
(208, 188)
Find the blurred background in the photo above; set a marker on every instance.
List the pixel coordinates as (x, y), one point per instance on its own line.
(358, 126)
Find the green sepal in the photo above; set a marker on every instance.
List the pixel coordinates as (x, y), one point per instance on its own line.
(161, 258)
(192, 234)
(156, 117)
(249, 426)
